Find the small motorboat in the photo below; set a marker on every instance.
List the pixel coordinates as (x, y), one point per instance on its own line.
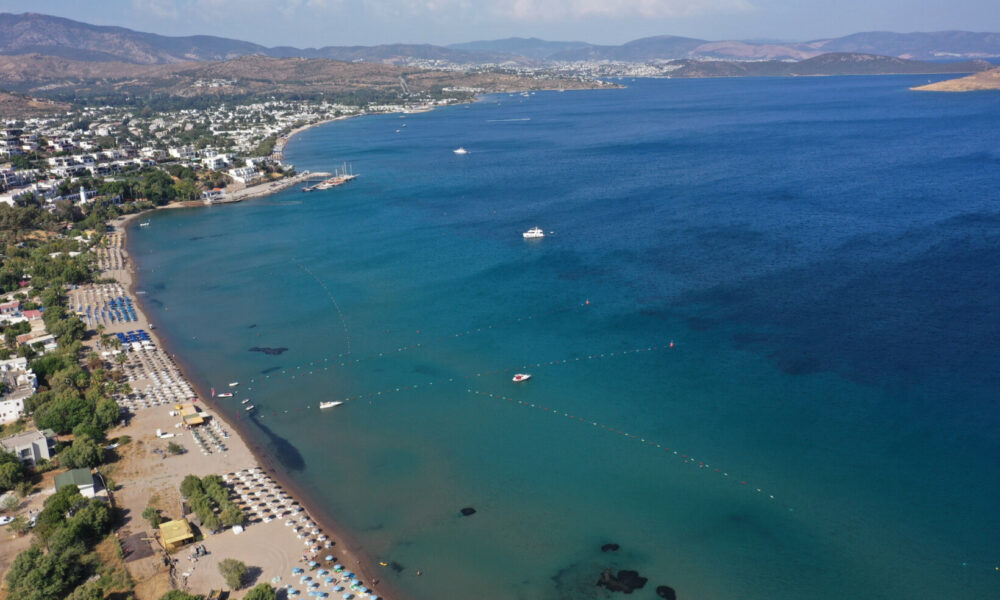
(225, 395)
(249, 408)
(330, 404)
(518, 378)
(234, 383)
(245, 400)
(533, 234)
(460, 150)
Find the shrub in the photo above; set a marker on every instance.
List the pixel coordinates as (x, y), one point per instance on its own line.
(153, 516)
(234, 571)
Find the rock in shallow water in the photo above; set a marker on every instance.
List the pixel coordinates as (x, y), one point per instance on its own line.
(626, 581)
(610, 548)
(468, 511)
(665, 591)
(269, 351)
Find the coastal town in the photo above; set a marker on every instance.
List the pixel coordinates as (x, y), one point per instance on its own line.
(116, 478)
(120, 154)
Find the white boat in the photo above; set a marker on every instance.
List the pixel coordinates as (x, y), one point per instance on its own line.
(245, 400)
(226, 395)
(533, 234)
(460, 150)
(330, 404)
(234, 383)
(144, 224)
(249, 408)
(518, 378)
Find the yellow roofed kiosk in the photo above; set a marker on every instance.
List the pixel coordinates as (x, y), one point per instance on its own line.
(190, 414)
(175, 534)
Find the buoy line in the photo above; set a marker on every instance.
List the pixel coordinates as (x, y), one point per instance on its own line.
(338, 360)
(552, 363)
(340, 313)
(686, 459)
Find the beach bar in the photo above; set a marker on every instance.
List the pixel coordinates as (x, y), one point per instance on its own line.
(175, 534)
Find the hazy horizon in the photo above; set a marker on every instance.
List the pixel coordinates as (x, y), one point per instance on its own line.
(316, 23)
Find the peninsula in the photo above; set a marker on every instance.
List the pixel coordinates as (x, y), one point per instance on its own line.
(985, 80)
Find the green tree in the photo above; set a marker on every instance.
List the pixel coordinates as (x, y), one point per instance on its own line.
(153, 516)
(211, 522)
(84, 453)
(175, 448)
(11, 471)
(234, 571)
(88, 591)
(179, 595)
(10, 502)
(191, 485)
(19, 525)
(187, 190)
(107, 413)
(261, 591)
(65, 412)
(232, 515)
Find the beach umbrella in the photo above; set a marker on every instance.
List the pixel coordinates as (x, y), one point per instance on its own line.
(339, 588)
(322, 572)
(312, 593)
(314, 584)
(338, 567)
(363, 590)
(313, 563)
(348, 596)
(293, 592)
(296, 570)
(349, 575)
(329, 580)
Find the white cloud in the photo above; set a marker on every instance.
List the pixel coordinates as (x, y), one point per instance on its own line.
(559, 10)
(554, 10)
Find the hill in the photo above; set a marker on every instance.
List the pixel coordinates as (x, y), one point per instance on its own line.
(921, 46)
(825, 64)
(43, 34)
(32, 33)
(533, 48)
(645, 49)
(76, 81)
(54, 36)
(985, 80)
(19, 106)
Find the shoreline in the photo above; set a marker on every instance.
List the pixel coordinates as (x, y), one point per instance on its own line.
(348, 550)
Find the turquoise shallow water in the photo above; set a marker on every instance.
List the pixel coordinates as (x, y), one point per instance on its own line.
(821, 252)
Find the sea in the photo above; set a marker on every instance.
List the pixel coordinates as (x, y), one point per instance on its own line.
(763, 330)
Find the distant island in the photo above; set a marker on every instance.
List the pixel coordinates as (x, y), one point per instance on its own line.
(985, 80)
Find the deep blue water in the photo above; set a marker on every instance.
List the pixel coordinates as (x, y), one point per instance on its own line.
(822, 252)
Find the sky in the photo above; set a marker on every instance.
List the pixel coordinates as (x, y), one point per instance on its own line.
(315, 23)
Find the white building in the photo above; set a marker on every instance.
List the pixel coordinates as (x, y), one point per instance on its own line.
(30, 446)
(244, 174)
(19, 383)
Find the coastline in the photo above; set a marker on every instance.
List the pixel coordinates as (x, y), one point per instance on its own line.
(348, 550)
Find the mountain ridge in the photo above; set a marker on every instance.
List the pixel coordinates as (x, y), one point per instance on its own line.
(30, 33)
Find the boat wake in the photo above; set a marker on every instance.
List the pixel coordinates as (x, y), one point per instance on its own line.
(507, 120)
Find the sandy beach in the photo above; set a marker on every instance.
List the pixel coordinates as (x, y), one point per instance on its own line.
(146, 475)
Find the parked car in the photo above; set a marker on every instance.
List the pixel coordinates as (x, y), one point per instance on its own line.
(4, 520)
